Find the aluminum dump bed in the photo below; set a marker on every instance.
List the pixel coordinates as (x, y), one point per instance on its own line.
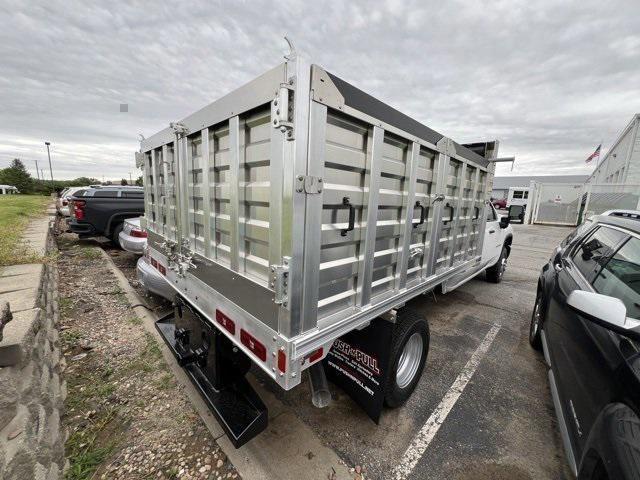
(298, 208)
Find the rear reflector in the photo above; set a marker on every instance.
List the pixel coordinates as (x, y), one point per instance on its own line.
(154, 262)
(254, 345)
(162, 270)
(138, 234)
(226, 322)
(315, 355)
(282, 361)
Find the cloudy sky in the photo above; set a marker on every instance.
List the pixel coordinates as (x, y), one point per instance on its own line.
(549, 79)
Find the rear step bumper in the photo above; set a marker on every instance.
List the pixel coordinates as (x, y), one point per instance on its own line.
(216, 372)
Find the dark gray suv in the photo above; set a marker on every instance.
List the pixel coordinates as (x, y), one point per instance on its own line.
(586, 319)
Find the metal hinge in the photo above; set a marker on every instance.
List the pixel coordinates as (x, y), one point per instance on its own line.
(308, 184)
(282, 110)
(279, 281)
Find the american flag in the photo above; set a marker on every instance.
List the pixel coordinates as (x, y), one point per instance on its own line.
(595, 154)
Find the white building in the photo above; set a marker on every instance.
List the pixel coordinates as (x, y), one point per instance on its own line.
(621, 164)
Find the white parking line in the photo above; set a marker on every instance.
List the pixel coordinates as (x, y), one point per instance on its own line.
(423, 438)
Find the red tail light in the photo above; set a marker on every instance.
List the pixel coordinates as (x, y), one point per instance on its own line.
(315, 355)
(161, 269)
(78, 209)
(226, 322)
(138, 233)
(253, 344)
(282, 361)
(154, 262)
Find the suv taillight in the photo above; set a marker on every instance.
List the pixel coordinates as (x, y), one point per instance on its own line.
(138, 233)
(78, 209)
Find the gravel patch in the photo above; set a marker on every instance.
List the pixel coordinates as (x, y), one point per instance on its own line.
(126, 415)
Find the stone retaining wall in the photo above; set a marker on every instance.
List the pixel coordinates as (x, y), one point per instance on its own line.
(32, 391)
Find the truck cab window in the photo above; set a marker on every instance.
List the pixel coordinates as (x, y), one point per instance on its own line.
(620, 277)
(596, 250)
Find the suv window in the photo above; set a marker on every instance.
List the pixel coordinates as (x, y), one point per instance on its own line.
(105, 193)
(594, 252)
(620, 277)
(580, 229)
(133, 194)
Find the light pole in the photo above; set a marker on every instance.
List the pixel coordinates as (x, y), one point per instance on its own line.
(49, 155)
(130, 179)
(37, 170)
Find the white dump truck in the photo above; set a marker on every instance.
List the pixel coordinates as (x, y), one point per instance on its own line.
(295, 217)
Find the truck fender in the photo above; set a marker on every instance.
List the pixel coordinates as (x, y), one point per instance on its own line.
(118, 218)
(613, 445)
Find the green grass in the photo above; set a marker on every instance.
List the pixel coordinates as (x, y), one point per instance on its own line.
(15, 213)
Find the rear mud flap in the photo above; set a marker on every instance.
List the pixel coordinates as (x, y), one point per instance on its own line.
(217, 369)
(358, 362)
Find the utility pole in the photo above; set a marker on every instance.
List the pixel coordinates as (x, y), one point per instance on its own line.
(37, 170)
(130, 183)
(49, 155)
(42, 174)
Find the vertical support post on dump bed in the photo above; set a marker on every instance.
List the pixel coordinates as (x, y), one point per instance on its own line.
(234, 185)
(456, 215)
(165, 193)
(375, 142)
(183, 167)
(155, 172)
(206, 191)
(411, 173)
(471, 212)
(298, 77)
(313, 223)
(438, 207)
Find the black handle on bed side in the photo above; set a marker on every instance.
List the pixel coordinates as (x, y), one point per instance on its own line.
(352, 216)
(423, 213)
(450, 207)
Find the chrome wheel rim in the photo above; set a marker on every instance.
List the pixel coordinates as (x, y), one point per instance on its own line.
(409, 360)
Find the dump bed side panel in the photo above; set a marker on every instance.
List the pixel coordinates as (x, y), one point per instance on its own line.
(419, 206)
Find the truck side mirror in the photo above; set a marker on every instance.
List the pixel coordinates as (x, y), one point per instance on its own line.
(504, 221)
(608, 312)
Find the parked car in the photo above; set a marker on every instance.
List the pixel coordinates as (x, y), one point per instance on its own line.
(133, 238)
(586, 319)
(152, 279)
(62, 202)
(499, 202)
(102, 211)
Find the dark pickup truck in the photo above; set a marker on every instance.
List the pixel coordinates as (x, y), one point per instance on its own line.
(101, 211)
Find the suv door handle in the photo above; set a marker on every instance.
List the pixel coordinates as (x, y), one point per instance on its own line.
(492, 231)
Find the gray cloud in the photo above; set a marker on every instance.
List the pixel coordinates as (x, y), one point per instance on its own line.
(549, 79)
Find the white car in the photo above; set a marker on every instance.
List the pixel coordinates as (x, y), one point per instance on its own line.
(62, 203)
(152, 280)
(133, 238)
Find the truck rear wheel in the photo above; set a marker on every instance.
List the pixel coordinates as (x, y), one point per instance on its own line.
(115, 236)
(409, 349)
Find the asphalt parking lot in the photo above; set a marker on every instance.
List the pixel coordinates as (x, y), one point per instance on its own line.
(482, 409)
(497, 422)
